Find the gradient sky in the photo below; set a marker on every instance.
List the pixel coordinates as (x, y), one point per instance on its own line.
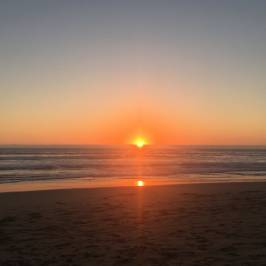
(182, 72)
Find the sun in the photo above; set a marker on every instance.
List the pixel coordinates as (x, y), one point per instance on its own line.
(140, 142)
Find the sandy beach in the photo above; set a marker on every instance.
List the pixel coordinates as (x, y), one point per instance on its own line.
(196, 224)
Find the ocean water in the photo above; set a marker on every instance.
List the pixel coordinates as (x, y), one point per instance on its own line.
(183, 163)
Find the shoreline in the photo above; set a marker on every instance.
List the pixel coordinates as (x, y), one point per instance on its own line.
(89, 183)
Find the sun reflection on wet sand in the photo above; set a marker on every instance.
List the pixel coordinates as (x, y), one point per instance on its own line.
(89, 183)
(140, 183)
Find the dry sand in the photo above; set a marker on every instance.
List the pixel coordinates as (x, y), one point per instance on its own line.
(206, 224)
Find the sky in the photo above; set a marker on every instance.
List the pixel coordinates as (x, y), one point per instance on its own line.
(102, 72)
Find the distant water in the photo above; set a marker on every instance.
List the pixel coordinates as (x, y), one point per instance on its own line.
(186, 163)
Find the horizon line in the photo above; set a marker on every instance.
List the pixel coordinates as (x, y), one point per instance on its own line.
(129, 144)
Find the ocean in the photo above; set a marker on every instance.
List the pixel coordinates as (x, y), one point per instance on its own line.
(184, 164)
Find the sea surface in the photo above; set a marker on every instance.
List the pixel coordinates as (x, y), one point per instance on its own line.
(183, 163)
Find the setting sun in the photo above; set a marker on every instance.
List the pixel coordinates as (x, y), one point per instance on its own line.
(140, 142)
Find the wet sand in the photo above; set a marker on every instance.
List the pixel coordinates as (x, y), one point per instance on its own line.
(199, 224)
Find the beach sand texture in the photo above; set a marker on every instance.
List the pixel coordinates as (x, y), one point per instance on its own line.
(204, 224)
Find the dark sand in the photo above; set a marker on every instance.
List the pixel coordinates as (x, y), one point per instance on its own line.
(207, 224)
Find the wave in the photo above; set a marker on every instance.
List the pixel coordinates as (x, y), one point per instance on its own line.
(49, 163)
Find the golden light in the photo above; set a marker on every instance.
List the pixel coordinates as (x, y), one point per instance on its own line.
(140, 183)
(140, 142)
